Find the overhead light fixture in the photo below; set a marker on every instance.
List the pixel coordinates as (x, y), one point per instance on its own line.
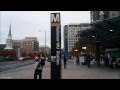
(76, 50)
(84, 47)
(111, 30)
(93, 36)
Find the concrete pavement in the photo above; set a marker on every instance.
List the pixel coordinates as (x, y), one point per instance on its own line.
(72, 72)
(83, 72)
(25, 72)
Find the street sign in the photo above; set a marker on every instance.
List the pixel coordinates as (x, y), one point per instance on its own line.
(55, 46)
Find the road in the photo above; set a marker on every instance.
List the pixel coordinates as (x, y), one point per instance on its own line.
(4, 66)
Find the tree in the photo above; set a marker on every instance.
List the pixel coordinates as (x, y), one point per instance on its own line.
(11, 53)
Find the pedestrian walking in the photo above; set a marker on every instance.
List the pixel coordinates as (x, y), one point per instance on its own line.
(112, 61)
(94, 61)
(39, 63)
(106, 62)
(65, 61)
(88, 60)
(77, 60)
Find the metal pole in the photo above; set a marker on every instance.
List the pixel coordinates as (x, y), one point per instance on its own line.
(0, 27)
(97, 51)
(45, 45)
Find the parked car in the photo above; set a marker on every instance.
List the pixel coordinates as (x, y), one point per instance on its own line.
(27, 58)
(21, 58)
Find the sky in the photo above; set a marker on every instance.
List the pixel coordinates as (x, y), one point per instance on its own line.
(35, 23)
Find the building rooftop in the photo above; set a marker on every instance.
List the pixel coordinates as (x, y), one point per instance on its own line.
(30, 38)
(42, 46)
(80, 24)
(17, 40)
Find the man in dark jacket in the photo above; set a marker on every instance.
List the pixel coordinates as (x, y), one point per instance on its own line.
(88, 60)
(106, 61)
(65, 61)
(77, 60)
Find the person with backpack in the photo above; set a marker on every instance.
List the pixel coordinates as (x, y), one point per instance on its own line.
(39, 63)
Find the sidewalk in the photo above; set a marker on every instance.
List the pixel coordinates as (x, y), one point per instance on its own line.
(25, 72)
(83, 72)
(72, 72)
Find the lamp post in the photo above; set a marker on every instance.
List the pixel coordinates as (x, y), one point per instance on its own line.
(0, 27)
(45, 44)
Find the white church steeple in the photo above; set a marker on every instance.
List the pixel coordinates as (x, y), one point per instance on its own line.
(9, 42)
(10, 35)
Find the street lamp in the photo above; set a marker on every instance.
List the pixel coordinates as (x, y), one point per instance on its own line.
(111, 30)
(76, 50)
(84, 48)
(45, 43)
(93, 36)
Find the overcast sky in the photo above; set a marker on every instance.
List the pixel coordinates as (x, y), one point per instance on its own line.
(28, 23)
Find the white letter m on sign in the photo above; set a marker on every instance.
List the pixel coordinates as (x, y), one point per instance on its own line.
(55, 18)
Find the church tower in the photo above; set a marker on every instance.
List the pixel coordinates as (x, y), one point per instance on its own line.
(9, 42)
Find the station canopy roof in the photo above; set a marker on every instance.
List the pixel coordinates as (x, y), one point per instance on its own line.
(106, 31)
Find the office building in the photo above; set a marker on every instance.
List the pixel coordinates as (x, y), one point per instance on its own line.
(70, 34)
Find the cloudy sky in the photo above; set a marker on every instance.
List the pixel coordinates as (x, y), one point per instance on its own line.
(28, 23)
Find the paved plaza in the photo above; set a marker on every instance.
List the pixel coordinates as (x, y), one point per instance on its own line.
(72, 72)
